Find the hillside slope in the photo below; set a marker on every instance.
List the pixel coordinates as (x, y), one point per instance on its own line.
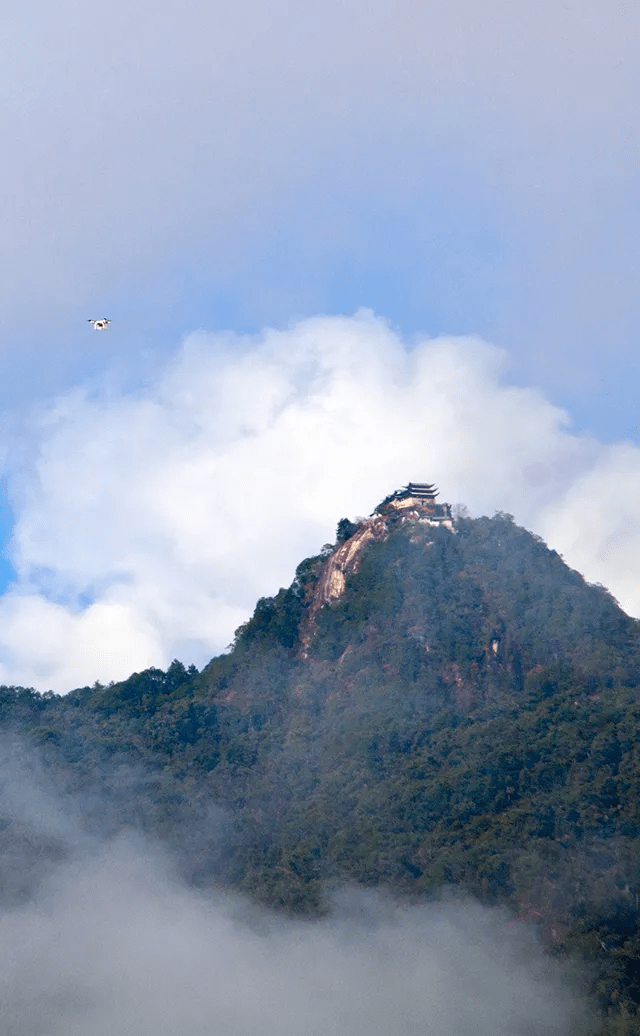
(453, 708)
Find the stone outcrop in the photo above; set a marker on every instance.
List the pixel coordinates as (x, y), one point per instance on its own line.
(344, 560)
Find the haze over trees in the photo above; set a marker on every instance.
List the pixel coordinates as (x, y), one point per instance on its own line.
(464, 715)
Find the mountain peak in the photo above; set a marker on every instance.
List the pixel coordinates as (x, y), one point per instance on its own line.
(415, 502)
(429, 703)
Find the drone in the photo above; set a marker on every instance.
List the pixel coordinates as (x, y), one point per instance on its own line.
(99, 325)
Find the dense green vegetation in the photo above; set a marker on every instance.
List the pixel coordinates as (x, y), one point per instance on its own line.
(466, 713)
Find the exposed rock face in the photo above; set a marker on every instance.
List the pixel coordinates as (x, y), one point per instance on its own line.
(341, 563)
(345, 558)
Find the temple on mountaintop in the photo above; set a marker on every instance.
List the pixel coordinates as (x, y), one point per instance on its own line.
(420, 498)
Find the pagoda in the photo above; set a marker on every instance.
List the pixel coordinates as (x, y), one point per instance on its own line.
(421, 491)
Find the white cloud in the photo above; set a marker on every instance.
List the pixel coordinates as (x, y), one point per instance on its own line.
(595, 523)
(148, 524)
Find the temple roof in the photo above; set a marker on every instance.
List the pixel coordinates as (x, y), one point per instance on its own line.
(422, 489)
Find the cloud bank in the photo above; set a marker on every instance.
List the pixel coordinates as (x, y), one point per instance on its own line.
(148, 523)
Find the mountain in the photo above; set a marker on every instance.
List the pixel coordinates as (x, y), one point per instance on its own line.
(431, 702)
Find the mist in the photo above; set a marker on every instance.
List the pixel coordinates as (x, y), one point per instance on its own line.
(109, 940)
(113, 943)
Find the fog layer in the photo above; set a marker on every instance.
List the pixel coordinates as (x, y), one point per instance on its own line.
(112, 944)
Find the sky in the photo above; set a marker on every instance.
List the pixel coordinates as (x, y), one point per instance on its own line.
(342, 245)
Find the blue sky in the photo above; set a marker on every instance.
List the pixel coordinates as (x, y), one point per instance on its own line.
(460, 169)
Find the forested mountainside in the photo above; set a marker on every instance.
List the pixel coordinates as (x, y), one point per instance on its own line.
(465, 713)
